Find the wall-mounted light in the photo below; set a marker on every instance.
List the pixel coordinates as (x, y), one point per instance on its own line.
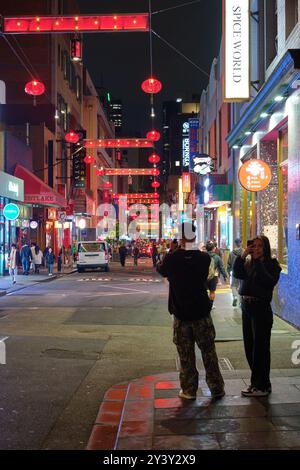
(264, 115)
(279, 98)
(248, 133)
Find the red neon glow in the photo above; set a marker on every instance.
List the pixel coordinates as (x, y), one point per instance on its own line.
(131, 171)
(82, 23)
(89, 159)
(118, 143)
(72, 138)
(155, 184)
(151, 85)
(35, 88)
(137, 195)
(154, 136)
(100, 172)
(154, 158)
(107, 184)
(76, 49)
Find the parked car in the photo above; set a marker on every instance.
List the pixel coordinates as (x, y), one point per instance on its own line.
(92, 255)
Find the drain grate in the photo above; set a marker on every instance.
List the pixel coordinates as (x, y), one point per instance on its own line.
(224, 363)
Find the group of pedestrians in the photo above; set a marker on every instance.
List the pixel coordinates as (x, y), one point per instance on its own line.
(30, 258)
(187, 271)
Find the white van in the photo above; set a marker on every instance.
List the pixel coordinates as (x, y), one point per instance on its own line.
(92, 255)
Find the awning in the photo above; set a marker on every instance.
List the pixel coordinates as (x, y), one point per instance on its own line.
(38, 192)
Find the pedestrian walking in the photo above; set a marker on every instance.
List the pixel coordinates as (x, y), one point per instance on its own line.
(154, 254)
(14, 261)
(69, 255)
(187, 272)
(259, 274)
(26, 257)
(174, 246)
(122, 254)
(37, 259)
(234, 283)
(60, 259)
(32, 249)
(215, 269)
(136, 253)
(74, 252)
(50, 259)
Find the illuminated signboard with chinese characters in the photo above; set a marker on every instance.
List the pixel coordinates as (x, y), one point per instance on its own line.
(237, 50)
(255, 175)
(186, 182)
(202, 164)
(185, 145)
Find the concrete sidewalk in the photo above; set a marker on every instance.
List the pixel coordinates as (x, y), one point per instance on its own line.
(147, 414)
(6, 286)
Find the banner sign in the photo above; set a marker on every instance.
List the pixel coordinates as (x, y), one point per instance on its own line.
(186, 182)
(255, 175)
(194, 139)
(185, 145)
(237, 50)
(202, 164)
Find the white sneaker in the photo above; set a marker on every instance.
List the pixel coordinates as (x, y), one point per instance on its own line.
(186, 396)
(254, 392)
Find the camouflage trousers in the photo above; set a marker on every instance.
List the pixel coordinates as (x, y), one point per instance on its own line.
(202, 333)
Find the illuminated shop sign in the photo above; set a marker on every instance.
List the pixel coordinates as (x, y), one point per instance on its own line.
(185, 145)
(194, 139)
(202, 164)
(237, 50)
(186, 182)
(255, 175)
(11, 187)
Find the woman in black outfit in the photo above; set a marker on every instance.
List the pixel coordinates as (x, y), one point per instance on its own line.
(259, 274)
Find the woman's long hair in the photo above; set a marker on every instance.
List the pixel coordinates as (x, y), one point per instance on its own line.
(266, 246)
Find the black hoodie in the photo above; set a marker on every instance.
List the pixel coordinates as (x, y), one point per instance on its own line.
(187, 272)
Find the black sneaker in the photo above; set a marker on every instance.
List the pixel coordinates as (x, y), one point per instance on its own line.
(234, 303)
(254, 392)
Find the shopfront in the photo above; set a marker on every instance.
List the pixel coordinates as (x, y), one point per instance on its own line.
(12, 228)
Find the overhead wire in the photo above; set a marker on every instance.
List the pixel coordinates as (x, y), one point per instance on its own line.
(177, 6)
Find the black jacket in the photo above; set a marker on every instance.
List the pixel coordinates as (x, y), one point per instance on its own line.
(258, 277)
(187, 273)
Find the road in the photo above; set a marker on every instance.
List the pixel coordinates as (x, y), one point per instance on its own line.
(71, 339)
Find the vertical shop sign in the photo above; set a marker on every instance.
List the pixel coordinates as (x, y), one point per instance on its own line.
(79, 169)
(237, 50)
(194, 139)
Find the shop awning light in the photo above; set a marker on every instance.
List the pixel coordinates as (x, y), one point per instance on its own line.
(264, 115)
(235, 147)
(248, 133)
(279, 98)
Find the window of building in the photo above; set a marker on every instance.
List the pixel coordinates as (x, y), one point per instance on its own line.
(58, 55)
(78, 88)
(291, 16)
(271, 31)
(72, 77)
(220, 137)
(65, 64)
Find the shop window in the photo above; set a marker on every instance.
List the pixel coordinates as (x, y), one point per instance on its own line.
(58, 55)
(283, 199)
(271, 31)
(65, 64)
(78, 88)
(291, 16)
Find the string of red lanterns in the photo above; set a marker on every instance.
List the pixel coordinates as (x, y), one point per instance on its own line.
(153, 135)
(72, 137)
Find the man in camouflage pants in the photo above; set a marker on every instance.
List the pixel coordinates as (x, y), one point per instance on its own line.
(187, 271)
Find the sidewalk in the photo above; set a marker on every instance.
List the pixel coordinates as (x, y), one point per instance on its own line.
(6, 286)
(147, 414)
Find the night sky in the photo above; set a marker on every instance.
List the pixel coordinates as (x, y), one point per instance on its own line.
(120, 62)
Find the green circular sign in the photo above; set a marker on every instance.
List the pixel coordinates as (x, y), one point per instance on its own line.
(11, 211)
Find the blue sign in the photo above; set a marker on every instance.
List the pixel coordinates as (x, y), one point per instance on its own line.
(11, 211)
(194, 140)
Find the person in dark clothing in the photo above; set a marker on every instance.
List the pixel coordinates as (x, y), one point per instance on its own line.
(154, 254)
(50, 259)
(26, 257)
(259, 274)
(122, 253)
(136, 253)
(187, 272)
(234, 283)
(216, 268)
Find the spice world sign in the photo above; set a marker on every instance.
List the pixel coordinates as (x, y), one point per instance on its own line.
(237, 50)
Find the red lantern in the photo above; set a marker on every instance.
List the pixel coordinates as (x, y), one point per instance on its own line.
(154, 158)
(155, 184)
(155, 195)
(34, 88)
(100, 172)
(89, 159)
(155, 172)
(153, 136)
(107, 184)
(72, 138)
(151, 85)
(155, 201)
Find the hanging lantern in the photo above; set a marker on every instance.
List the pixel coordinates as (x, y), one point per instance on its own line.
(89, 159)
(154, 158)
(153, 136)
(100, 172)
(151, 85)
(35, 88)
(107, 185)
(155, 201)
(72, 138)
(155, 184)
(155, 195)
(155, 172)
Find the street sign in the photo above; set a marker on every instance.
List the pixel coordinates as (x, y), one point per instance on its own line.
(11, 211)
(62, 215)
